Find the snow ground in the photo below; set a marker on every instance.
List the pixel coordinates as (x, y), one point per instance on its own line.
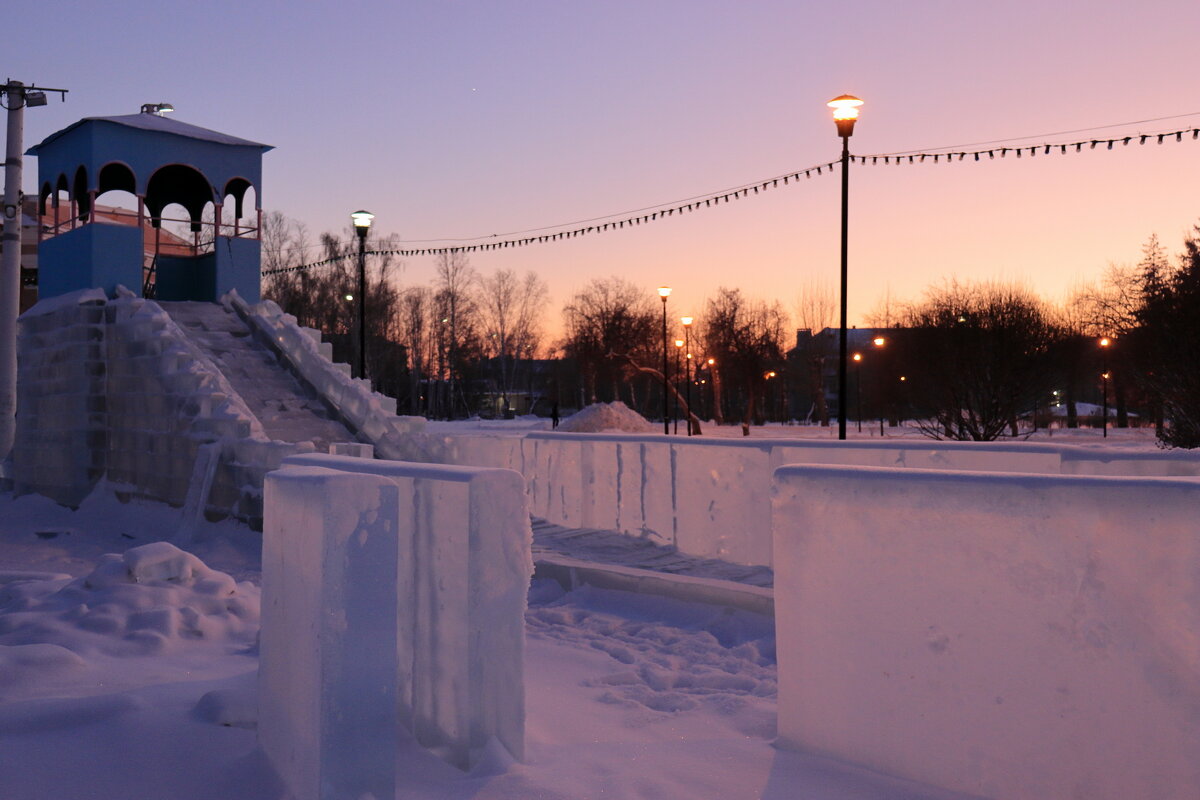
(1141, 437)
(628, 696)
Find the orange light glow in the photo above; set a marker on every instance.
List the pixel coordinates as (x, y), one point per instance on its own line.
(858, 356)
(845, 107)
(664, 292)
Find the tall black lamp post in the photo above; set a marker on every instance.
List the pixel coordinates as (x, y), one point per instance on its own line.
(858, 387)
(687, 365)
(362, 224)
(1104, 376)
(664, 292)
(845, 112)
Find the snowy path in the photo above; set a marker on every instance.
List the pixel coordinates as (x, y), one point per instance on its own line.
(288, 411)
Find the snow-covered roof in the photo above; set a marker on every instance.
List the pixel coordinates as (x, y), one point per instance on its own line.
(158, 124)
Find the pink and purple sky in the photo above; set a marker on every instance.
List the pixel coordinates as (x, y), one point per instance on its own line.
(460, 119)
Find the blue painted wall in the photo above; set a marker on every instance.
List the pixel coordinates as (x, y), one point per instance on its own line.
(185, 278)
(238, 267)
(93, 256)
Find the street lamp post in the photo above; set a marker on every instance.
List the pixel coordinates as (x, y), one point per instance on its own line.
(687, 365)
(675, 416)
(664, 292)
(362, 224)
(845, 112)
(879, 341)
(858, 387)
(1104, 345)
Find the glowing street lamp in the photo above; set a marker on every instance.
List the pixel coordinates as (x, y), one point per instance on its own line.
(845, 113)
(687, 365)
(1104, 343)
(362, 224)
(664, 292)
(858, 387)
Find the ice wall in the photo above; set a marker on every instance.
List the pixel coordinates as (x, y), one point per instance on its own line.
(113, 388)
(61, 437)
(710, 497)
(440, 557)
(1013, 636)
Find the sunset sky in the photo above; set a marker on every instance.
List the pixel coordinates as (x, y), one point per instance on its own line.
(463, 119)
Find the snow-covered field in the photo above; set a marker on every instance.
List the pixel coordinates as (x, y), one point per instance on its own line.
(133, 676)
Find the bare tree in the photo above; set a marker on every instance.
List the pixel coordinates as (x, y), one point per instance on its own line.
(416, 308)
(746, 338)
(283, 242)
(455, 302)
(510, 312)
(814, 312)
(814, 305)
(609, 315)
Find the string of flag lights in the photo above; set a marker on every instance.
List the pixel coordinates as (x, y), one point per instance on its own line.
(654, 213)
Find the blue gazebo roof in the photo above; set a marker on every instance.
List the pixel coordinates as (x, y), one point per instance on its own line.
(154, 122)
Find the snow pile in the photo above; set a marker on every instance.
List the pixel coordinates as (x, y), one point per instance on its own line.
(614, 416)
(133, 604)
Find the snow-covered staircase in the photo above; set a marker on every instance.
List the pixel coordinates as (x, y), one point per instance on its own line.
(288, 410)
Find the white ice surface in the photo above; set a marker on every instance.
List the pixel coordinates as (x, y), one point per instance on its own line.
(627, 697)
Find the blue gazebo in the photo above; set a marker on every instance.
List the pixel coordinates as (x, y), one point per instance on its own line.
(161, 161)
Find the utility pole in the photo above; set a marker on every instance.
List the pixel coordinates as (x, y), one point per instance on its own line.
(17, 95)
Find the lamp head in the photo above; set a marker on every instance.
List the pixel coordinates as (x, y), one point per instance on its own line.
(686, 321)
(664, 292)
(362, 222)
(845, 112)
(878, 341)
(1105, 341)
(679, 342)
(857, 356)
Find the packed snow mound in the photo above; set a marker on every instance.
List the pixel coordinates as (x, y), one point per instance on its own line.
(137, 603)
(614, 416)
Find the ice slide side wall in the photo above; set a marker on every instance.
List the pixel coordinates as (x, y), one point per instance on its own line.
(113, 388)
(393, 598)
(1010, 636)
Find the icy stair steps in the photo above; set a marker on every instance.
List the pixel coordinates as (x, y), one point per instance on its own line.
(288, 411)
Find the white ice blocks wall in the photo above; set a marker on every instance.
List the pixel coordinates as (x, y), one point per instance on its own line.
(112, 388)
(710, 497)
(61, 433)
(447, 570)
(1012, 636)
